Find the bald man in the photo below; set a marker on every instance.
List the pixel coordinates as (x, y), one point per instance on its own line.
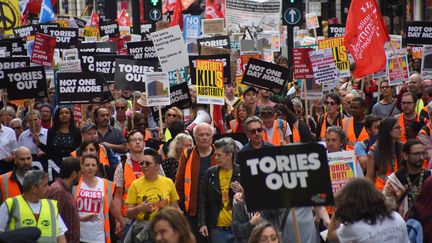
(346, 104)
(11, 182)
(192, 166)
(415, 86)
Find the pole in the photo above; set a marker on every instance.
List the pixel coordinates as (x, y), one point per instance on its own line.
(304, 83)
(133, 111)
(136, 16)
(161, 124)
(179, 79)
(290, 44)
(295, 225)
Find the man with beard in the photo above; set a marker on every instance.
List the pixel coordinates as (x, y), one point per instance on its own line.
(61, 190)
(109, 136)
(11, 182)
(404, 186)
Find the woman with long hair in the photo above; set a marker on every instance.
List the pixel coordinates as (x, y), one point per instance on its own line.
(362, 215)
(93, 197)
(181, 142)
(264, 232)
(241, 114)
(63, 137)
(385, 156)
(169, 225)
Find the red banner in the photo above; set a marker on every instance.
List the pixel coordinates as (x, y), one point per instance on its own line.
(43, 50)
(302, 63)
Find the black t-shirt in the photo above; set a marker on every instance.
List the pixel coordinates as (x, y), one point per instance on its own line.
(204, 165)
(412, 193)
(358, 127)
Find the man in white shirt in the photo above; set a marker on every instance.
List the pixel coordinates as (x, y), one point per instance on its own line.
(35, 129)
(8, 143)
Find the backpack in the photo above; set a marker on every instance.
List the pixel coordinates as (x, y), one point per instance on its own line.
(415, 231)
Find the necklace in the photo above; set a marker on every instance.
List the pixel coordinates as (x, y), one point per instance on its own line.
(412, 191)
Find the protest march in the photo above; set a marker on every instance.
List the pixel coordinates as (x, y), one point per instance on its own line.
(237, 121)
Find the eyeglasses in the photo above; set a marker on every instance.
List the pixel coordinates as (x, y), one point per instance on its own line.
(418, 154)
(123, 108)
(254, 131)
(329, 103)
(266, 113)
(385, 87)
(145, 163)
(407, 103)
(136, 140)
(171, 115)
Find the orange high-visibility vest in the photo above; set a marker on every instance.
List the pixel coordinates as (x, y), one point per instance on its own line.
(8, 187)
(187, 179)
(324, 125)
(278, 134)
(234, 125)
(129, 176)
(108, 189)
(295, 135)
(348, 127)
(103, 158)
(402, 125)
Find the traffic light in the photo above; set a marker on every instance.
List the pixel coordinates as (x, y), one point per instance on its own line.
(292, 12)
(152, 10)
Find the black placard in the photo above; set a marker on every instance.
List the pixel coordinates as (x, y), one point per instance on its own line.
(50, 166)
(26, 83)
(80, 88)
(180, 96)
(18, 46)
(6, 48)
(10, 63)
(24, 31)
(43, 28)
(66, 37)
(225, 58)
(418, 33)
(265, 75)
(105, 65)
(142, 50)
(130, 74)
(286, 176)
(336, 30)
(217, 41)
(146, 29)
(110, 29)
(86, 53)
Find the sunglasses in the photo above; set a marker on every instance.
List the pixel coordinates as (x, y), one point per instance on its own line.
(329, 103)
(145, 163)
(266, 113)
(123, 108)
(254, 131)
(171, 115)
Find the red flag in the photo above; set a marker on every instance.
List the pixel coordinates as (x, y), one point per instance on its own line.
(177, 18)
(365, 37)
(218, 118)
(123, 19)
(94, 19)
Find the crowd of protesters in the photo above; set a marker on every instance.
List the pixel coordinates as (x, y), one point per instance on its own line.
(123, 178)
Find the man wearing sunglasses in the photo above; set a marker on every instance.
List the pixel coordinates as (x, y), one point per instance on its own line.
(331, 118)
(120, 119)
(254, 132)
(276, 131)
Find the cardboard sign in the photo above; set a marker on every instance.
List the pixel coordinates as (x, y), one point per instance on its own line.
(10, 63)
(105, 65)
(79, 88)
(244, 60)
(110, 29)
(225, 58)
(314, 91)
(426, 66)
(191, 26)
(213, 26)
(234, 56)
(312, 21)
(336, 30)
(395, 42)
(397, 67)
(302, 64)
(69, 66)
(342, 168)
(418, 33)
(170, 48)
(323, 66)
(90, 31)
(26, 83)
(43, 50)
(5, 49)
(43, 28)
(66, 37)
(217, 41)
(130, 74)
(142, 50)
(180, 96)
(183, 77)
(87, 50)
(417, 52)
(44, 163)
(286, 176)
(18, 46)
(80, 22)
(209, 82)
(24, 31)
(265, 75)
(340, 54)
(157, 88)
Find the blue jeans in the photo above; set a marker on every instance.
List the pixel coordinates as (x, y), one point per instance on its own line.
(222, 236)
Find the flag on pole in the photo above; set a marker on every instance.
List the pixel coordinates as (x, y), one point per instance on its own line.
(365, 37)
(46, 12)
(177, 18)
(94, 20)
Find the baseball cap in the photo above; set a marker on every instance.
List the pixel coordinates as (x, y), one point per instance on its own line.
(87, 127)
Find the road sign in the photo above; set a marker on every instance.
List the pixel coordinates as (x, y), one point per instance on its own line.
(152, 10)
(155, 14)
(292, 16)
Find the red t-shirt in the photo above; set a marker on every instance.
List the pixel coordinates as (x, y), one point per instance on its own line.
(136, 168)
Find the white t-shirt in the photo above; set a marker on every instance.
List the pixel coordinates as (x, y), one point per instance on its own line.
(270, 131)
(391, 230)
(35, 207)
(91, 200)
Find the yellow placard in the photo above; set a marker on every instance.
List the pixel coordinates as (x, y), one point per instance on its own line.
(11, 15)
(339, 54)
(209, 82)
(90, 31)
